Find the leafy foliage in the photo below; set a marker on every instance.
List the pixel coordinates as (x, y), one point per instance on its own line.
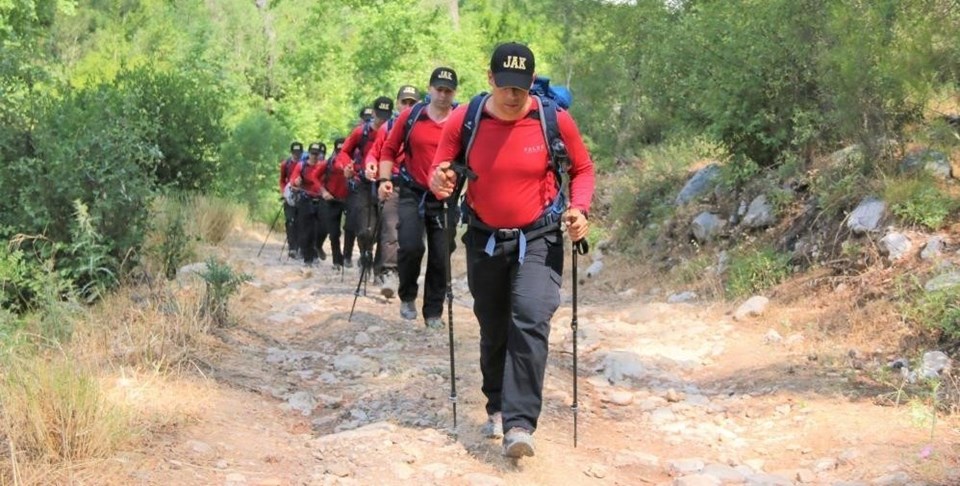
(222, 282)
(753, 271)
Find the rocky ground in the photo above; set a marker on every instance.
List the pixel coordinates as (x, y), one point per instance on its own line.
(669, 393)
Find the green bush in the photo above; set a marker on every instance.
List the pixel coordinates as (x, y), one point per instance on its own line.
(753, 271)
(938, 310)
(918, 201)
(248, 168)
(222, 282)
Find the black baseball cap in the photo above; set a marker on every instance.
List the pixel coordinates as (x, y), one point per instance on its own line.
(444, 77)
(366, 113)
(339, 143)
(408, 92)
(512, 65)
(296, 147)
(318, 148)
(383, 108)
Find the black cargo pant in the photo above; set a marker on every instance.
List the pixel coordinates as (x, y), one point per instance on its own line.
(362, 219)
(332, 219)
(514, 303)
(290, 224)
(388, 246)
(309, 216)
(410, 235)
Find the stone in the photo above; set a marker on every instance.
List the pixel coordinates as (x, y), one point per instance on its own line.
(662, 416)
(621, 398)
(199, 447)
(933, 248)
(866, 217)
(898, 478)
(772, 337)
(362, 339)
(934, 364)
(825, 464)
(726, 474)
(895, 245)
(598, 471)
(706, 226)
(760, 213)
(351, 363)
(673, 396)
(768, 480)
(682, 467)
(933, 162)
(697, 480)
(754, 306)
(302, 402)
(621, 365)
(480, 479)
(942, 281)
(594, 269)
(700, 183)
(682, 297)
(632, 458)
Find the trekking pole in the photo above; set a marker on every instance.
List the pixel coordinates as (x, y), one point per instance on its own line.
(282, 247)
(453, 363)
(269, 232)
(363, 273)
(579, 248)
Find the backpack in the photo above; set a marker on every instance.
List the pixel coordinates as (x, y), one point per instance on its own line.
(547, 114)
(560, 94)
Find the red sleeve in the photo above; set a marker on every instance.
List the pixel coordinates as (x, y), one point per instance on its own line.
(392, 145)
(582, 178)
(376, 146)
(295, 172)
(345, 157)
(449, 147)
(283, 180)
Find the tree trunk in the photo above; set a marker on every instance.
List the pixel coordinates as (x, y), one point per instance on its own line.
(454, 13)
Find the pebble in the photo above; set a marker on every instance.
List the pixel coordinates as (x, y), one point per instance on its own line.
(596, 471)
(631, 458)
(622, 398)
(697, 480)
(685, 466)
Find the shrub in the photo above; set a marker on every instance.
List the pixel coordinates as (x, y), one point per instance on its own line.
(55, 411)
(248, 165)
(919, 201)
(753, 271)
(212, 218)
(221, 283)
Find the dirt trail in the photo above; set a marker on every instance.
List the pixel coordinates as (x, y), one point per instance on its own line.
(669, 394)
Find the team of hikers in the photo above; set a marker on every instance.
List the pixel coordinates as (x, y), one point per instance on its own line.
(399, 183)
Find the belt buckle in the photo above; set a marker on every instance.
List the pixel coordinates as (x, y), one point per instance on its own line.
(508, 234)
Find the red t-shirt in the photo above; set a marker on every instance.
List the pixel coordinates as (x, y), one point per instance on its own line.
(334, 180)
(310, 173)
(285, 172)
(376, 152)
(424, 139)
(514, 182)
(345, 157)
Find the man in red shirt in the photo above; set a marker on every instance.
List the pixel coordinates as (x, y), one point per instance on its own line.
(290, 211)
(412, 145)
(306, 178)
(361, 202)
(386, 258)
(514, 244)
(334, 192)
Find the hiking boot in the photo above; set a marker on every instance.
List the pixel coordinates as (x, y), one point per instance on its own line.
(493, 429)
(408, 311)
(434, 322)
(322, 254)
(309, 264)
(389, 283)
(348, 263)
(517, 443)
(292, 254)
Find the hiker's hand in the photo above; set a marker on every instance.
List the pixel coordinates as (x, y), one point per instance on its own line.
(385, 191)
(348, 171)
(370, 171)
(325, 194)
(298, 181)
(444, 181)
(577, 224)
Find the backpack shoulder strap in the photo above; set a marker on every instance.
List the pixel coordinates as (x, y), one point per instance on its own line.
(471, 122)
(415, 112)
(556, 148)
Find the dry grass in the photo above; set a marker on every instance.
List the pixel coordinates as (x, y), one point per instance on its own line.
(55, 412)
(212, 218)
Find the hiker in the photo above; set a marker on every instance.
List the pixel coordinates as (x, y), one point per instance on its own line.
(386, 257)
(411, 147)
(513, 210)
(306, 178)
(289, 203)
(361, 202)
(334, 192)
